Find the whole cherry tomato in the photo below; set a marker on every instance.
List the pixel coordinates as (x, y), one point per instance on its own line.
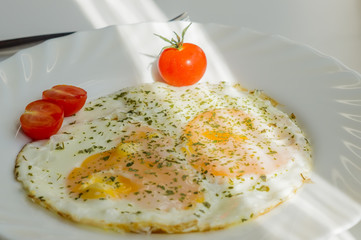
(181, 64)
(41, 119)
(184, 66)
(70, 98)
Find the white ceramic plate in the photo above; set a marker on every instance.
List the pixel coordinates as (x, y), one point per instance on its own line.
(324, 95)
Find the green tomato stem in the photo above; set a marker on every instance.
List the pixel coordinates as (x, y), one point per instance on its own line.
(175, 43)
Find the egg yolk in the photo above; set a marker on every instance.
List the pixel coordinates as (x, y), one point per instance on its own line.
(141, 168)
(231, 143)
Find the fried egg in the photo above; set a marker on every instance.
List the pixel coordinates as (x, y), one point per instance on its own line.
(157, 158)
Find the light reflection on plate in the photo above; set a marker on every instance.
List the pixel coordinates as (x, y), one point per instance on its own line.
(323, 93)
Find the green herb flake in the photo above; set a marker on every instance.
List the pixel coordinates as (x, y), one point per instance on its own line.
(207, 204)
(263, 188)
(169, 192)
(129, 164)
(59, 146)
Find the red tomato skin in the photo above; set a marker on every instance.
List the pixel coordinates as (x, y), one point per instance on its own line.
(70, 98)
(41, 119)
(182, 67)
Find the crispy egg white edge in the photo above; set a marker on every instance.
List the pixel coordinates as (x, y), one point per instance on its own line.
(223, 210)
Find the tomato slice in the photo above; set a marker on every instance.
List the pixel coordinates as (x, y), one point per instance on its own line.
(41, 119)
(70, 98)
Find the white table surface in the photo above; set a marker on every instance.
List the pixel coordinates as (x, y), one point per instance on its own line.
(330, 26)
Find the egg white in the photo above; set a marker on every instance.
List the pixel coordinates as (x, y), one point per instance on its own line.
(42, 166)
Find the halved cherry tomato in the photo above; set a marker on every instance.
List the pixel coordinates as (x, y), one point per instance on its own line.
(41, 119)
(70, 98)
(184, 66)
(181, 64)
